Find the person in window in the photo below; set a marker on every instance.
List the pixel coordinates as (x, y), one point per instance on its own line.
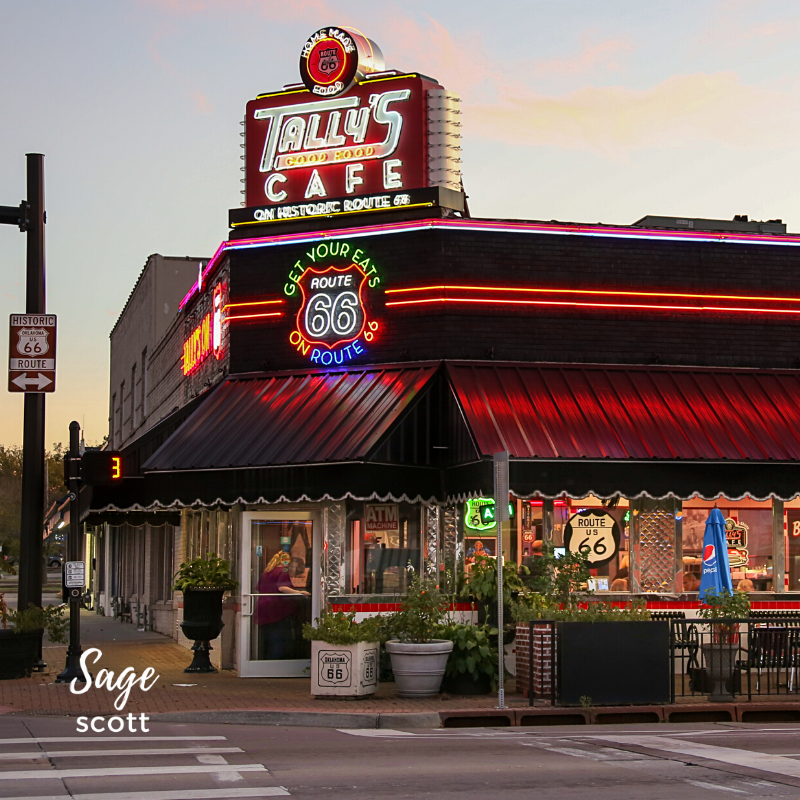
(690, 582)
(745, 585)
(275, 610)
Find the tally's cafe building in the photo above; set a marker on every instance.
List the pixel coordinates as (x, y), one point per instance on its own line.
(351, 357)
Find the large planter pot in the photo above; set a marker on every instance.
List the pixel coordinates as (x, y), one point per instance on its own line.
(613, 663)
(349, 670)
(19, 652)
(419, 666)
(202, 621)
(720, 660)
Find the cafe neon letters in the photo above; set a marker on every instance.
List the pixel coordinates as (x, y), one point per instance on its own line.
(332, 324)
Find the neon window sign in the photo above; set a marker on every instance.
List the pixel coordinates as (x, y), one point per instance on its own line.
(332, 325)
(480, 513)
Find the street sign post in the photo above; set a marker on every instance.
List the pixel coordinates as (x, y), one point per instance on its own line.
(32, 353)
(501, 488)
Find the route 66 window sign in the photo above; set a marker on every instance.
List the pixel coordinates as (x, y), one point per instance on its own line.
(595, 533)
(334, 668)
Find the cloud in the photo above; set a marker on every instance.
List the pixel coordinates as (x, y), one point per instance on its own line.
(681, 111)
(277, 10)
(202, 104)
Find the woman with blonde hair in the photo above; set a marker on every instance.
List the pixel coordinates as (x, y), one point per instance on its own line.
(275, 608)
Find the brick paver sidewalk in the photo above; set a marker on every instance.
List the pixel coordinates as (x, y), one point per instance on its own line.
(222, 691)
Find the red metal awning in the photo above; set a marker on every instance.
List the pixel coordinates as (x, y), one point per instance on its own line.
(619, 412)
(292, 418)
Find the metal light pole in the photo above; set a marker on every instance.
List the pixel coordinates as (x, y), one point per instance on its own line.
(73, 669)
(501, 490)
(30, 217)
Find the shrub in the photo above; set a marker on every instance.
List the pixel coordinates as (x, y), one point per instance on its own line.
(202, 573)
(342, 629)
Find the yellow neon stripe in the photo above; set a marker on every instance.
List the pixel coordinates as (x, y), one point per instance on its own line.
(332, 214)
(283, 91)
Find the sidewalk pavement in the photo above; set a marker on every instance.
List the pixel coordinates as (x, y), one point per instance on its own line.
(175, 691)
(224, 697)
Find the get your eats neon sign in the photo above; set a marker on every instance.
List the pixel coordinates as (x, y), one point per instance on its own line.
(332, 325)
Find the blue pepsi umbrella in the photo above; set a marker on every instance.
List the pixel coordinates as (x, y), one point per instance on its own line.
(716, 567)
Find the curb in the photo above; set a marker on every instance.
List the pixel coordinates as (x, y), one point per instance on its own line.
(310, 719)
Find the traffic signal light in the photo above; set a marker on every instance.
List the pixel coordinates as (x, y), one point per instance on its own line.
(101, 467)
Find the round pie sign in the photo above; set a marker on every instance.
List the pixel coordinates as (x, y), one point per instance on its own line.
(595, 533)
(329, 62)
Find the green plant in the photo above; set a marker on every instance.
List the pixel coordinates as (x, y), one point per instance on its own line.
(482, 582)
(602, 611)
(6, 567)
(205, 573)
(35, 618)
(724, 605)
(340, 628)
(422, 612)
(586, 702)
(473, 651)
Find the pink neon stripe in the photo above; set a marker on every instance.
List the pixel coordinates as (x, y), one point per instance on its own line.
(505, 301)
(487, 225)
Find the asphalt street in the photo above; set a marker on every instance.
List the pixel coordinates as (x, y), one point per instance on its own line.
(44, 758)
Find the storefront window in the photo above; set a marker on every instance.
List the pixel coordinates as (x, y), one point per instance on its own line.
(384, 547)
(749, 531)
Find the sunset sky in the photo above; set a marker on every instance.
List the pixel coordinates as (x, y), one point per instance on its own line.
(573, 110)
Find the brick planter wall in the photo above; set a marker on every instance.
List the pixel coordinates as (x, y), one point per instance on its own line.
(543, 660)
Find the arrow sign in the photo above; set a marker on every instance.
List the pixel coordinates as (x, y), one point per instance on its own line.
(23, 381)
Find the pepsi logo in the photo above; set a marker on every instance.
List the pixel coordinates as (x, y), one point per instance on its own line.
(709, 555)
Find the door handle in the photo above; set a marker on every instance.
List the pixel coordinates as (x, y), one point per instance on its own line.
(247, 605)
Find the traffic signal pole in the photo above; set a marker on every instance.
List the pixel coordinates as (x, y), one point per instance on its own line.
(72, 471)
(30, 217)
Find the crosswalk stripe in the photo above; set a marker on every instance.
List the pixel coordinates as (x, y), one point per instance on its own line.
(187, 794)
(166, 751)
(114, 772)
(108, 739)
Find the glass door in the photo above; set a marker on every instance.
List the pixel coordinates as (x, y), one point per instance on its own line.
(280, 592)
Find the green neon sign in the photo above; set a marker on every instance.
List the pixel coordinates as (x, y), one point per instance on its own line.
(480, 513)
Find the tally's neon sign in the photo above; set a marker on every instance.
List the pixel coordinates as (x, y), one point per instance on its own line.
(206, 338)
(369, 140)
(332, 324)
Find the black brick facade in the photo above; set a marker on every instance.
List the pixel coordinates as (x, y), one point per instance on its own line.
(540, 333)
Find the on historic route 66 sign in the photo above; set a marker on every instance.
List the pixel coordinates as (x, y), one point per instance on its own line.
(595, 533)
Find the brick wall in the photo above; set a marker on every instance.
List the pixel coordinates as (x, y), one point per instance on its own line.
(542, 660)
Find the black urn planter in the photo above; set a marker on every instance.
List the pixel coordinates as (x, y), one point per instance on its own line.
(19, 653)
(463, 683)
(202, 621)
(613, 663)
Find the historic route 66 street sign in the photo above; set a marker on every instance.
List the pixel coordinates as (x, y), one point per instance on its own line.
(32, 353)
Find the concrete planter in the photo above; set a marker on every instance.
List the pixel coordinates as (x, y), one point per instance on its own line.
(419, 667)
(347, 670)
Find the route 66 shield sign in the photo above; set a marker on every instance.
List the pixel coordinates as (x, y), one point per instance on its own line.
(595, 533)
(32, 342)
